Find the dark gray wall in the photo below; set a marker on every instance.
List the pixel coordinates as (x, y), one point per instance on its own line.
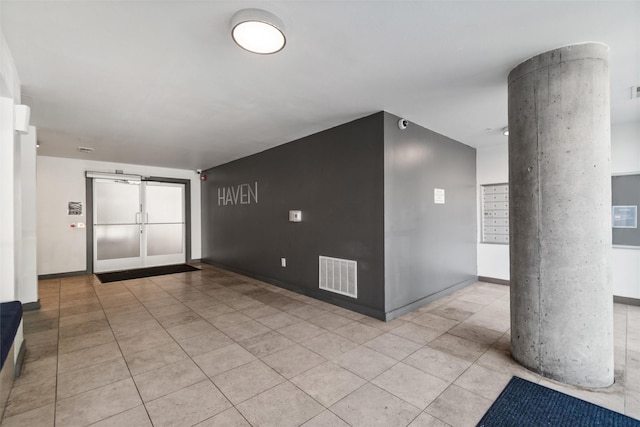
(335, 178)
(429, 248)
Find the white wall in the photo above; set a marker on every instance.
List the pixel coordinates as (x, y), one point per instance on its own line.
(625, 149)
(9, 80)
(625, 159)
(27, 290)
(8, 276)
(62, 249)
(10, 185)
(9, 241)
(493, 167)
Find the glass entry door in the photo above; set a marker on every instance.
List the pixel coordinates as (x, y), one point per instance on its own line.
(137, 224)
(163, 223)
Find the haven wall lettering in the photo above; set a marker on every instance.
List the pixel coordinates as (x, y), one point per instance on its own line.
(243, 194)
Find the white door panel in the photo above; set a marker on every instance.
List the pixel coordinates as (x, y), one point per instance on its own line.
(164, 223)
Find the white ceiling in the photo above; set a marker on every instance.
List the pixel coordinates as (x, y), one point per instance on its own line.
(161, 82)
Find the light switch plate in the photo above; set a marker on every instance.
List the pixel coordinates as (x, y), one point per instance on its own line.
(295, 216)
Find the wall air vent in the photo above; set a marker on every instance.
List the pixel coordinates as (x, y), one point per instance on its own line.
(85, 149)
(339, 276)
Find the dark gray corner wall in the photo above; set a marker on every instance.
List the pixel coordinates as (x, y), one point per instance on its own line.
(335, 178)
(429, 248)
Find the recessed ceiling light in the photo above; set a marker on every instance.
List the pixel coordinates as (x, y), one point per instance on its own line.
(505, 131)
(258, 31)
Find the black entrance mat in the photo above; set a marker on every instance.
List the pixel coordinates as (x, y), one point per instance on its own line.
(523, 403)
(139, 273)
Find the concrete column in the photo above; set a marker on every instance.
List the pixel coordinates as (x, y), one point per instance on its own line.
(560, 209)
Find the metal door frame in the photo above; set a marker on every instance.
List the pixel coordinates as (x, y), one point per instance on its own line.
(162, 259)
(132, 221)
(187, 214)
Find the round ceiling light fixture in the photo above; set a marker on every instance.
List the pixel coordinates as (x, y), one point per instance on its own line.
(505, 131)
(258, 31)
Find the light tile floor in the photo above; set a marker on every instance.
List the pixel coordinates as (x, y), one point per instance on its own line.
(211, 348)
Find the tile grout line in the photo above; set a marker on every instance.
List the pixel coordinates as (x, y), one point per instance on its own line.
(93, 285)
(55, 396)
(196, 364)
(286, 380)
(361, 345)
(626, 356)
(463, 372)
(2, 416)
(123, 357)
(178, 297)
(234, 406)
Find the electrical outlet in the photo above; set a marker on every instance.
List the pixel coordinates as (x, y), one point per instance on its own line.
(283, 262)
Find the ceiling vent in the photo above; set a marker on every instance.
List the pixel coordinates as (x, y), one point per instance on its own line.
(85, 149)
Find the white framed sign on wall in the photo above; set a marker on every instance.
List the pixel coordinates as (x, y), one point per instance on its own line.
(624, 216)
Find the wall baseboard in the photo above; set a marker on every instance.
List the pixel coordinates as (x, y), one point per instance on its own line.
(426, 300)
(31, 305)
(493, 280)
(367, 311)
(319, 295)
(22, 351)
(61, 275)
(626, 300)
(616, 299)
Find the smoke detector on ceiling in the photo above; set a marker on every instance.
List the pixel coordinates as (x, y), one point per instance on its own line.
(85, 149)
